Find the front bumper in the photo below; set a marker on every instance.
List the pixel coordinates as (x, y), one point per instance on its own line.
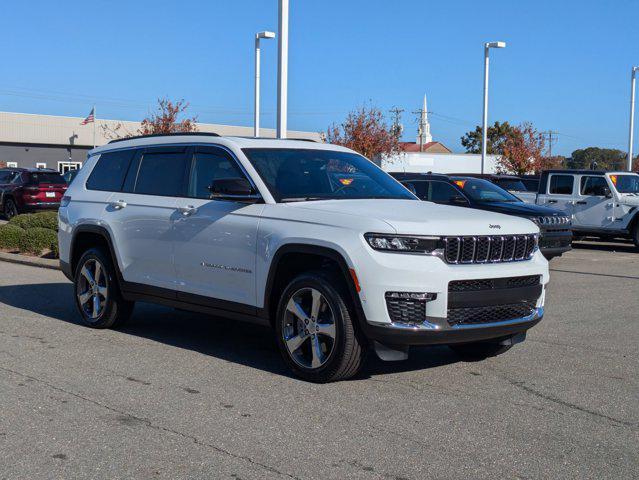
(554, 243)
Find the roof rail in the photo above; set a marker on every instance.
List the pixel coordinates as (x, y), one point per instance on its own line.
(173, 134)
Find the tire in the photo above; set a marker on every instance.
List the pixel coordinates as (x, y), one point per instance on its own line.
(479, 350)
(334, 351)
(635, 235)
(10, 209)
(111, 309)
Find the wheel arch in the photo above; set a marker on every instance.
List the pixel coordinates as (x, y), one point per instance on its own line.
(280, 273)
(88, 236)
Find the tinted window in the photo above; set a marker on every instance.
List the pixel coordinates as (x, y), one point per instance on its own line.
(484, 191)
(531, 184)
(108, 174)
(511, 184)
(46, 177)
(207, 167)
(442, 192)
(561, 184)
(626, 183)
(161, 173)
(6, 177)
(593, 186)
(418, 187)
(303, 174)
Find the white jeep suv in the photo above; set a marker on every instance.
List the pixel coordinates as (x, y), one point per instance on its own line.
(311, 239)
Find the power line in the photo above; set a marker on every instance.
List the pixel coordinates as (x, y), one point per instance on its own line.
(549, 134)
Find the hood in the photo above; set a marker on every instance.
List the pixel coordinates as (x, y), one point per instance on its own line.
(631, 199)
(520, 208)
(414, 217)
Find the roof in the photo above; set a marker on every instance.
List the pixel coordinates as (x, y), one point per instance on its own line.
(34, 170)
(413, 147)
(418, 176)
(486, 175)
(230, 142)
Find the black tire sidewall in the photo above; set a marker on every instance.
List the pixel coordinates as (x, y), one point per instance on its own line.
(338, 303)
(10, 213)
(106, 319)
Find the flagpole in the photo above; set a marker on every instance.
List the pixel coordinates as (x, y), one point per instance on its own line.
(95, 120)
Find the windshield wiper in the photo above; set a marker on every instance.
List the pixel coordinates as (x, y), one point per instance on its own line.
(300, 199)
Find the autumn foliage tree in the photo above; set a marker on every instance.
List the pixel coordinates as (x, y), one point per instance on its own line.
(523, 152)
(366, 132)
(165, 119)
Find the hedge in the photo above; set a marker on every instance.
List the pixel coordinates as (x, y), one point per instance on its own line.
(37, 240)
(10, 236)
(47, 219)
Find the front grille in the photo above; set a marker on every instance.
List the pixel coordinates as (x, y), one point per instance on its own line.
(493, 283)
(402, 310)
(490, 314)
(491, 248)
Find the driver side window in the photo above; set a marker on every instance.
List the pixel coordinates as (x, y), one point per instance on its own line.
(594, 186)
(208, 166)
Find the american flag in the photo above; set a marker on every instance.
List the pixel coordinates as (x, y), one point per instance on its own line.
(90, 118)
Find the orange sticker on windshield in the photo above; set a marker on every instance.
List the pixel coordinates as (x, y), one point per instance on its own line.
(614, 179)
(346, 181)
(460, 183)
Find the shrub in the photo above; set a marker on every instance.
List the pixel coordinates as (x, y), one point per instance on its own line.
(37, 240)
(47, 219)
(10, 236)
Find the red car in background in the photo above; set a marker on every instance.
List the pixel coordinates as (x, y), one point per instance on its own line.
(28, 189)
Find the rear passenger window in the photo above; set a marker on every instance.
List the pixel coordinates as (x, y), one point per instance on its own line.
(109, 172)
(561, 184)
(210, 166)
(161, 173)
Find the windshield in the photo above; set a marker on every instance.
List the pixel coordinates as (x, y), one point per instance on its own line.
(484, 191)
(300, 174)
(514, 184)
(626, 183)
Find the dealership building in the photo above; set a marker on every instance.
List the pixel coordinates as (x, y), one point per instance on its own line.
(62, 143)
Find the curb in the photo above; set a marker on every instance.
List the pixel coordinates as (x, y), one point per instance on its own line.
(31, 261)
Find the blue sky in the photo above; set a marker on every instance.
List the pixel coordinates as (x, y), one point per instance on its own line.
(566, 67)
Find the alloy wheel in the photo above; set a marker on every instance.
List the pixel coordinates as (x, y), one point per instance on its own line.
(10, 209)
(92, 289)
(309, 329)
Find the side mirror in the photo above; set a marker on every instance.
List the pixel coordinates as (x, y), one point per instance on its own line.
(606, 192)
(237, 189)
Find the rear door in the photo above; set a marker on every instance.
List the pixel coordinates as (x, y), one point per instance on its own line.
(592, 207)
(142, 215)
(215, 240)
(560, 192)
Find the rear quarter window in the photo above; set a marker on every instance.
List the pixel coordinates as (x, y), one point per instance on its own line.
(110, 170)
(561, 184)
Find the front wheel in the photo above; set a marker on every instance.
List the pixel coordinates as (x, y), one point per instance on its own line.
(635, 235)
(10, 209)
(315, 331)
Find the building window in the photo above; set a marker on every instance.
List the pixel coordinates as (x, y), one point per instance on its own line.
(41, 165)
(64, 167)
(12, 164)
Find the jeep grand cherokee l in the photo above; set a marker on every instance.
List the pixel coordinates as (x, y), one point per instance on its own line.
(311, 239)
(29, 189)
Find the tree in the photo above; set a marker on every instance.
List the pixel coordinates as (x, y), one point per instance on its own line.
(496, 137)
(365, 131)
(522, 152)
(601, 158)
(166, 119)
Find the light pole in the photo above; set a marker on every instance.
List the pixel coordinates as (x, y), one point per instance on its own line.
(282, 70)
(484, 136)
(258, 36)
(632, 115)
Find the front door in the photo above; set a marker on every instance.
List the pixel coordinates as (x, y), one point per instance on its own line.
(142, 216)
(560, 193)
(215, 240)
(593, 208)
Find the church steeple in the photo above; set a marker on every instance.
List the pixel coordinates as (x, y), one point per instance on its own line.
(423, 131)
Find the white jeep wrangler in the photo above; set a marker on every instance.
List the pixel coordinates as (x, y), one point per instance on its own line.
(311, 239)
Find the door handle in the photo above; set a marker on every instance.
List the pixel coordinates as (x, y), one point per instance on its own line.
(188, 210)
(581, 202)
(118, 204)
(551, 201)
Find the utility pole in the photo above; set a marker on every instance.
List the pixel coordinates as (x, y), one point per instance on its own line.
(632, 115)
(422, 122)
(549, 134)
(484, 123)
(282, 70)
(397, 127)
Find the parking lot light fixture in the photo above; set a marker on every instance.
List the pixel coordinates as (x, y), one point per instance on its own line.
(633, 76)
(487, 47)
(258, 37)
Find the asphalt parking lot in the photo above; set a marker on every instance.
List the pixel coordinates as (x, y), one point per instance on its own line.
(177, 395)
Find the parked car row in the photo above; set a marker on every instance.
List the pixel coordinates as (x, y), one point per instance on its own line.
(24, 190)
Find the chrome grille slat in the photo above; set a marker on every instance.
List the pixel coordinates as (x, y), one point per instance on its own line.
(489, 248)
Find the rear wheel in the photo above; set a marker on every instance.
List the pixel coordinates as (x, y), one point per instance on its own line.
(10, 209)
(635, 235)
(315, 331)
(479, 350)
(97, 294)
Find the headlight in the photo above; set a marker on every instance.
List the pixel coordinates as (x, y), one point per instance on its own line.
(404, 243)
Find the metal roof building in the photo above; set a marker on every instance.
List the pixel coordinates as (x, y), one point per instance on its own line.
(62, 143)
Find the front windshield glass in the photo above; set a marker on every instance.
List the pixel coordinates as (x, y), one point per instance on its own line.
(484, 191)
(626, 183)
(300, 174)
(511, 184)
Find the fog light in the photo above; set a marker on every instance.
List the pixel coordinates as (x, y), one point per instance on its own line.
(425, 297)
